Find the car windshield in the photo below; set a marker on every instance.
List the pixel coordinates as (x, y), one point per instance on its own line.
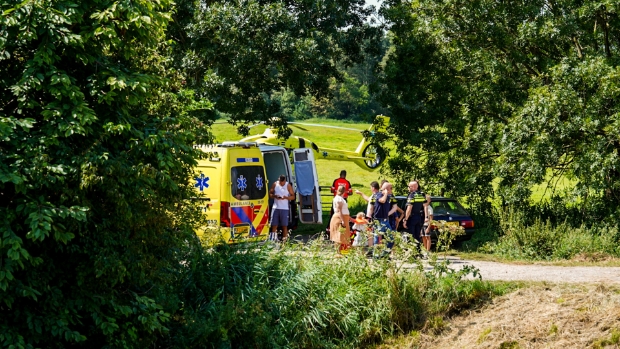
(448, 207)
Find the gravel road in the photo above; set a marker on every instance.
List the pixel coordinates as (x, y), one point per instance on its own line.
(531, 272)
(534, 272)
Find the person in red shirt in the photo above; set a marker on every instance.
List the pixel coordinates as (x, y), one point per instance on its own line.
(340, 182)
(344, 182)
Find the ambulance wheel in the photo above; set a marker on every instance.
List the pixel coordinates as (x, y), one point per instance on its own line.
(376, 153)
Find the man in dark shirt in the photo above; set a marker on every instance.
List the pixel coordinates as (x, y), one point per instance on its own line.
(383, 208)
(393, 205)
(414, 215)
(374, 188)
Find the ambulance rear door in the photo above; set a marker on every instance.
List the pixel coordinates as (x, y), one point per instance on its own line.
(249, 213)
(309, 196)
(277, 163)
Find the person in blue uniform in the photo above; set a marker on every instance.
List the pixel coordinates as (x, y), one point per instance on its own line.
(414, 215)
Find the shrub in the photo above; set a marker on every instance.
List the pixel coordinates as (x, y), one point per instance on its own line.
(542, 240)
(302, 297)
(95, 162)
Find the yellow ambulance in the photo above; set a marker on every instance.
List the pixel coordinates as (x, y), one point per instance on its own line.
(232, 186)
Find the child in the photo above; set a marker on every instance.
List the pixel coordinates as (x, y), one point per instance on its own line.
(360, 227)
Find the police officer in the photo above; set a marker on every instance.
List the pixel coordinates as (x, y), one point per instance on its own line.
(414, 215)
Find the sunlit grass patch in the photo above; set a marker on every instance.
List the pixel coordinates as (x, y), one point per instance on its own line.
(326, 138)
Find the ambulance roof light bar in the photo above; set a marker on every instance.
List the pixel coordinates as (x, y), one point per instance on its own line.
(244, 145)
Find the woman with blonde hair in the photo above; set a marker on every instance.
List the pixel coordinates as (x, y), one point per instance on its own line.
(340, 219)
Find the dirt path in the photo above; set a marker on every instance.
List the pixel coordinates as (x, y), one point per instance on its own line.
(534, 272)
(530, 272)
(576, 307)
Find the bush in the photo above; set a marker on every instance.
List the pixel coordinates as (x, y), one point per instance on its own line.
(487, 223)
(542, 240)
(95, 168)
(302, 297)
(551, 230)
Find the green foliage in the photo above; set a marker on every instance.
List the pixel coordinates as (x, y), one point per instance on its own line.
(509, 345)
(95, 162)
(236, 54)
(447, 234)
(487, 224)
(484, 335)
(553, 330)
(246, 297)
(613, 339)
(351, 100)
(489, 90)
(542, 240)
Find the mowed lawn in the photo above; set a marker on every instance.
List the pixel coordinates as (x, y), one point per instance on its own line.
(325, 138)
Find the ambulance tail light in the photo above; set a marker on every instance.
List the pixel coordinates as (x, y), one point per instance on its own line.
(225, 214)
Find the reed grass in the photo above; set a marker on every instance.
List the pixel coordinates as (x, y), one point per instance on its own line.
(303, 296)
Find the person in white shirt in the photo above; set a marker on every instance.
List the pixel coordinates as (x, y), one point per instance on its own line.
(360, 229)
(426, 227)
(281, 192)
(340, 219)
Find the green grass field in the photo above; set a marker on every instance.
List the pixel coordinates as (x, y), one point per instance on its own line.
(323, 137)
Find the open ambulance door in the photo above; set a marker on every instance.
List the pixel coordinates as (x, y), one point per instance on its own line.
(307, 180)
(277, 163)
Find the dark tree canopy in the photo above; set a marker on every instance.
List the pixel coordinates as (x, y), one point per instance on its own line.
(520, 91)
(95, 161)
(236, 53)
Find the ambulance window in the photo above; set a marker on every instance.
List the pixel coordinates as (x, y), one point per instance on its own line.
(248, 182)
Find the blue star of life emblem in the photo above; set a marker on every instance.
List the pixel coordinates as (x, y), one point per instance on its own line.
(202, 182)
(259, 182)
(324, 153)
(241, 183)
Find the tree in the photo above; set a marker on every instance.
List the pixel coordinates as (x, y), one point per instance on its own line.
(237, 52)
(508, 90)
(95, 162)
(350, 99)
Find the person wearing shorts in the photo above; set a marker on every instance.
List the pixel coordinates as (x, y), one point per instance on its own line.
(281, 192)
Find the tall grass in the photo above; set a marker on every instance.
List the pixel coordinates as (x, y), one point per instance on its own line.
(302, 297)
(543, 239)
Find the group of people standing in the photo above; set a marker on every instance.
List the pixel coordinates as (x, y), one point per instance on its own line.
(382, 214)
